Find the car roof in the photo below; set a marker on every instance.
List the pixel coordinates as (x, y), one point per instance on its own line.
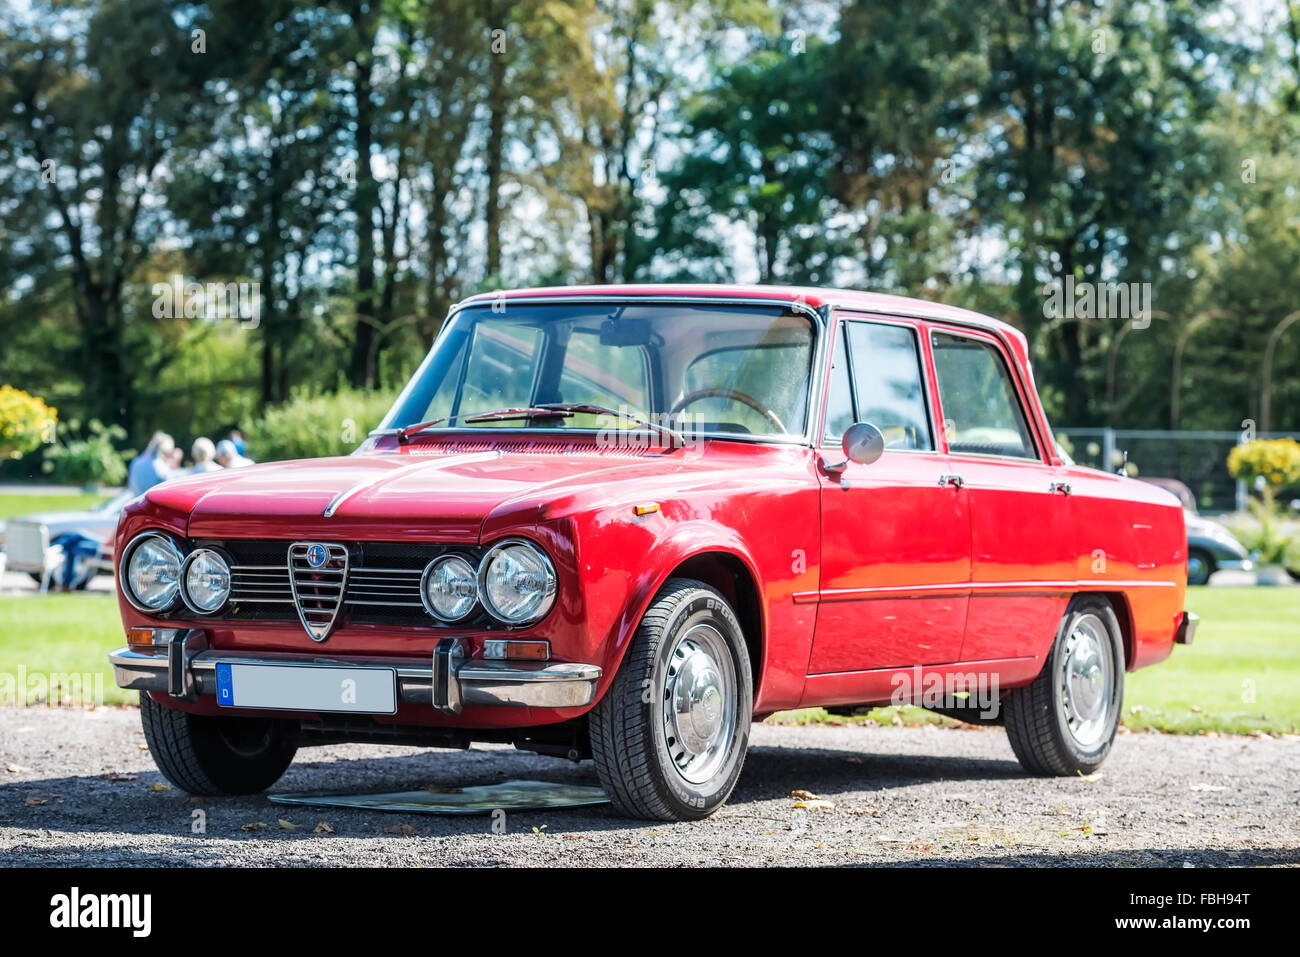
(815, 296)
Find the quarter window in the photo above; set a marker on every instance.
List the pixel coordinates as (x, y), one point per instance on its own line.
(981, 411)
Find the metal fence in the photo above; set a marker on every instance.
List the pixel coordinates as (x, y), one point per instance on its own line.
(1197, 459)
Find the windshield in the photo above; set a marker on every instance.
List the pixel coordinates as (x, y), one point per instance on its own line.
(705, 369)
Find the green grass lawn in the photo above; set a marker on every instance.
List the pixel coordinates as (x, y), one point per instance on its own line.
(1242, 674)
(12, 505)
(64, 633)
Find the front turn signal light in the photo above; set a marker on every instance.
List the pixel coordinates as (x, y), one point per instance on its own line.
(517, 650)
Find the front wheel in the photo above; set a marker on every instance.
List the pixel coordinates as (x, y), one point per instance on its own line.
(1065, 722)
(670, 734)
(215, 755)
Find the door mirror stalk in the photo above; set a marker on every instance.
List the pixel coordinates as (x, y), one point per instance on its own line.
(863, 443)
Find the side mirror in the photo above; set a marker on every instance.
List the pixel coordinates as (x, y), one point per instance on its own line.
(863, 443)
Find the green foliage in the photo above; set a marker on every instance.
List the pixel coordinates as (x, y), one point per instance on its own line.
(1267, 533)
(312, 425)
(25, 422)
(1275, 461)
(368, 164)
(89, 460)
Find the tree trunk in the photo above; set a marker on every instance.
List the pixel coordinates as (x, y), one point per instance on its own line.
(365, 198)
(494, 160)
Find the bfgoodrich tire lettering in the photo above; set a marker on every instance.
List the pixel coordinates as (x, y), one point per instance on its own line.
(215, 755)
(1065, 722)
(669, 736)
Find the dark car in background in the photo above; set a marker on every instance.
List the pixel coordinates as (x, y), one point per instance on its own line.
(1210, 546)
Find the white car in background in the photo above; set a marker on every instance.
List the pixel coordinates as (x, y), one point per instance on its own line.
(27, 540)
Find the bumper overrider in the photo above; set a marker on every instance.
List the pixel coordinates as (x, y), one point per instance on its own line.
(183, 667)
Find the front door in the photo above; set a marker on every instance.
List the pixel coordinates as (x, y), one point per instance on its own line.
(895, 533)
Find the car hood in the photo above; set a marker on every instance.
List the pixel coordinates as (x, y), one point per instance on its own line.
(404, 497)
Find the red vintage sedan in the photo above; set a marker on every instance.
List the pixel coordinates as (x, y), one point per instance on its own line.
(622, 523)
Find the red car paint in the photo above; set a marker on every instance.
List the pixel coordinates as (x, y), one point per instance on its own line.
(842, 581)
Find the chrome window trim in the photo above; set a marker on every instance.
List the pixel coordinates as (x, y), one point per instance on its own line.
(818, 318)
(847, 316)
(1018, 392)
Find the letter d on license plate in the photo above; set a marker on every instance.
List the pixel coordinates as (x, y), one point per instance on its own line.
(307, 688)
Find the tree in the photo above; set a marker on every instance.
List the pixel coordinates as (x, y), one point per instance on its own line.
(92, 100)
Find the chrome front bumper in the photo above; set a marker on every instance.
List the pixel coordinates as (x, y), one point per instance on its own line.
(186, 668)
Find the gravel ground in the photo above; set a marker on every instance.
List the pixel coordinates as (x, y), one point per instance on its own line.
(920, 796)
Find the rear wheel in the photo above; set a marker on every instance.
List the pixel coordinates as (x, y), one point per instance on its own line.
(215, 755)
(1065, 722)
(670, 734)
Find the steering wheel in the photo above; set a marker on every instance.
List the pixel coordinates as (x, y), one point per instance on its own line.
(735, 395)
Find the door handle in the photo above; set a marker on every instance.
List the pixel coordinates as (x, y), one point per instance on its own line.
(956, 481)
(1062, 487)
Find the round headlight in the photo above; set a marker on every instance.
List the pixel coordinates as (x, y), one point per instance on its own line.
(207, 581)
(517, 582)
(449, 588)
(153, 571)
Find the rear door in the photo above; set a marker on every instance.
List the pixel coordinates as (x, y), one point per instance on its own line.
(1023, 558)
(895, 536)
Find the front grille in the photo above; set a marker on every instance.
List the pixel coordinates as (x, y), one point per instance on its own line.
(318, 574)
(380, 583)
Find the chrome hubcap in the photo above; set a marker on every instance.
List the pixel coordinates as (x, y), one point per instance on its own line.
(1087, 681)
(699, 703)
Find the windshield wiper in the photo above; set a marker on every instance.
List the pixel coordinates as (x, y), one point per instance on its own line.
(541, 410)
(679, 441)
(491, 415)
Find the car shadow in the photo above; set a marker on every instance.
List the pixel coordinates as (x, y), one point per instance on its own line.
(147, 805)
(773, 772)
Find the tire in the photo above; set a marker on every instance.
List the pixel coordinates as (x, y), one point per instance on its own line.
(215, 756)
(1200, 566)
(1065, 722)
(669, 736)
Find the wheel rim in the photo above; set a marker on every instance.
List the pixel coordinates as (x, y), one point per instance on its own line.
(1087, 681)
(699, 703)
(1197, 570)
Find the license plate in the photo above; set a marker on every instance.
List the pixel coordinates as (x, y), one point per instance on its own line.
(307, 688)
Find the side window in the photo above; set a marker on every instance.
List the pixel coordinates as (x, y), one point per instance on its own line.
(981, 411)
(886, 371)
(839, 399)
